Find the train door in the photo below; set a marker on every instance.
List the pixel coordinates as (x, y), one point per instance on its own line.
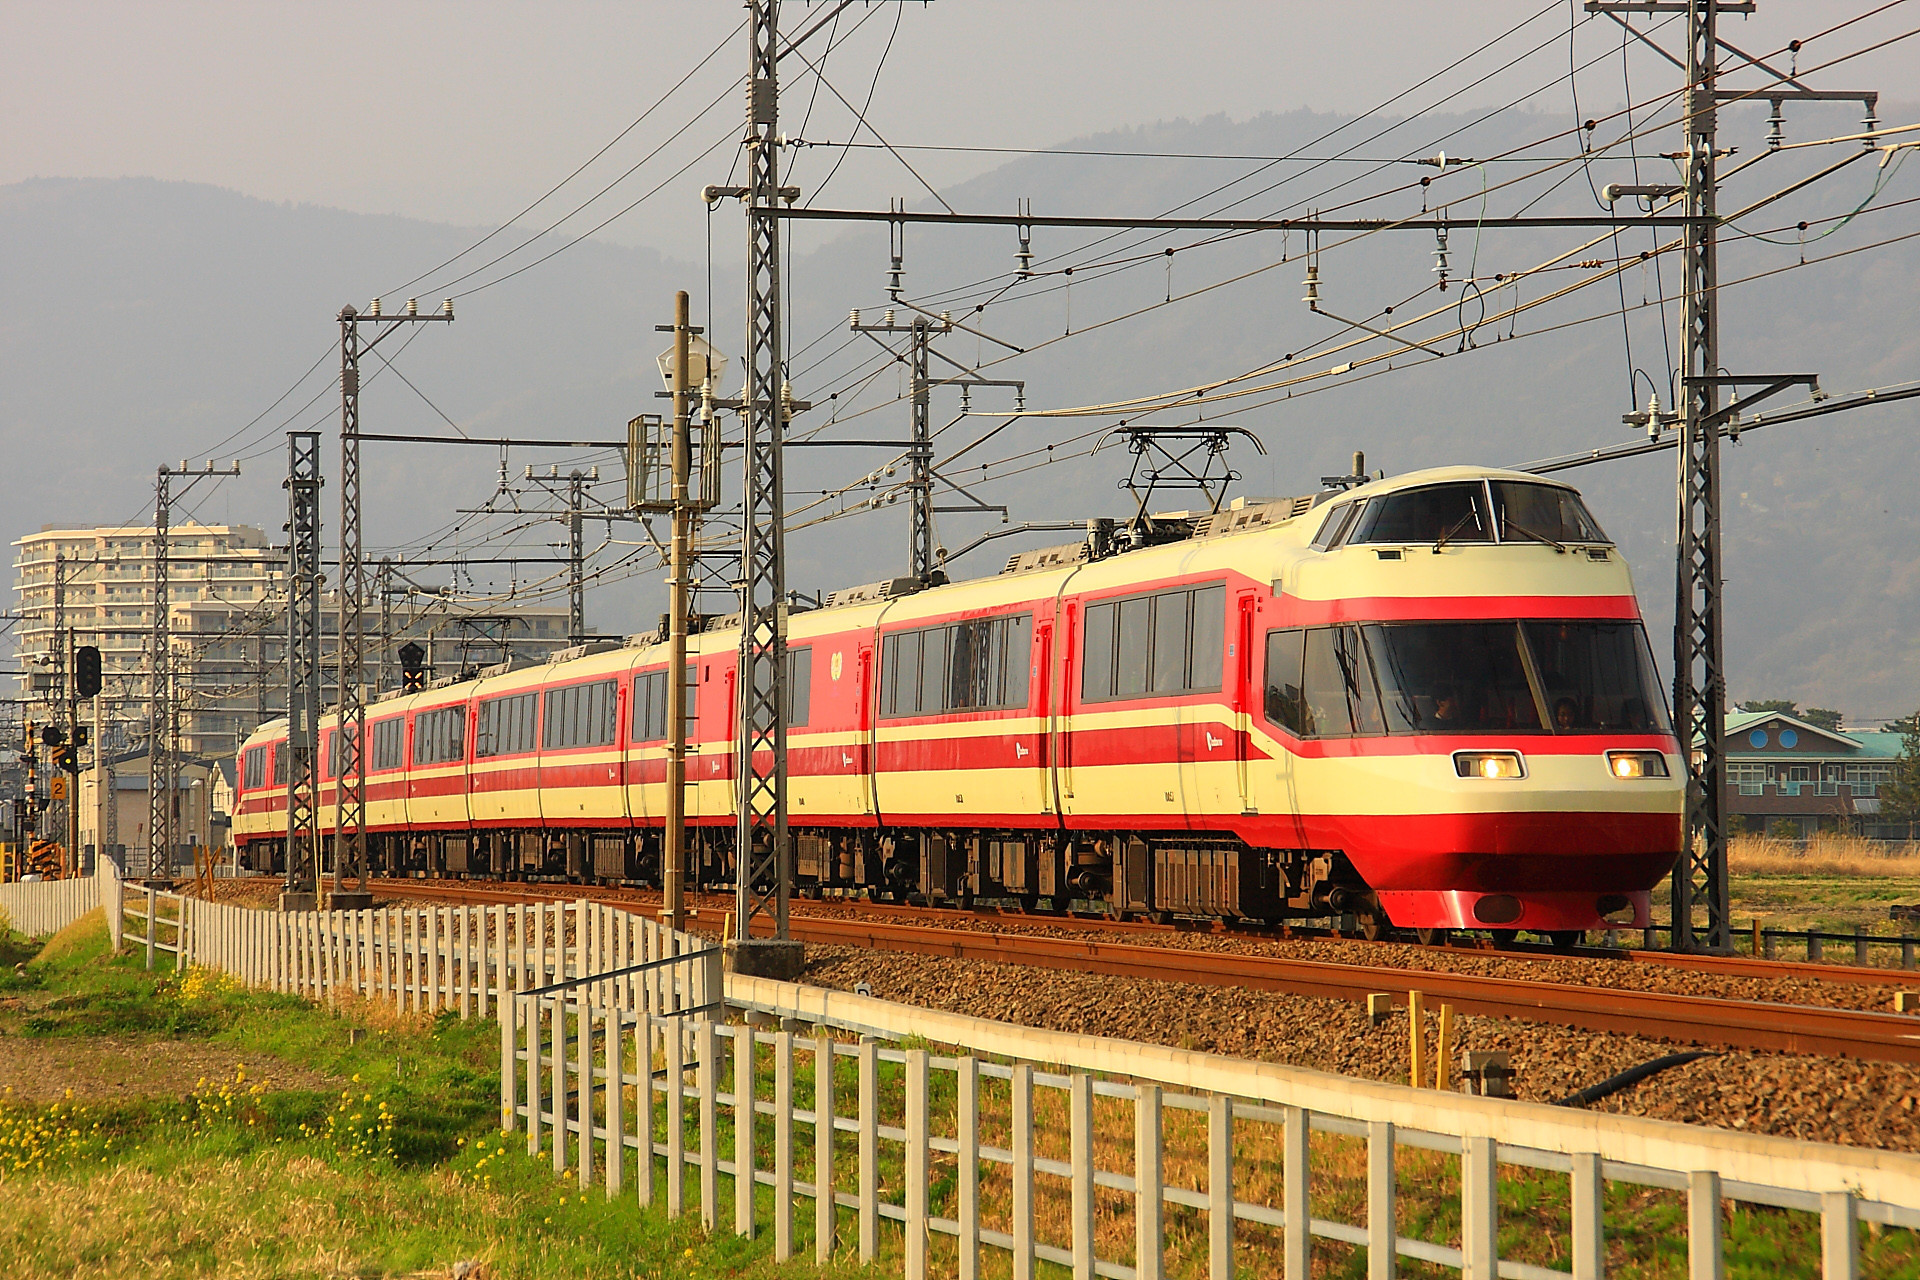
(864, 721)
(1042, 703)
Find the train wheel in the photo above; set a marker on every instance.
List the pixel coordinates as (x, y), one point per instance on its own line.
(1566, 939)
(1373, 925)
(1431, 937)
(1504, 937)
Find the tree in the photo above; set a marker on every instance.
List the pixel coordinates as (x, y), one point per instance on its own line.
(1900, 795)
(1822, 718)
(1784, 706)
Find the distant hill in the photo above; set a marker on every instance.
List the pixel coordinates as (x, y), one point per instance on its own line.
(148, 319)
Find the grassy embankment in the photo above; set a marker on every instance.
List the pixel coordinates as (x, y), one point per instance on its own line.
(1833, 883)
(387, 1162)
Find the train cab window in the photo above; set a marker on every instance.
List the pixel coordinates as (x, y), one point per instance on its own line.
(1526, 512)
(982, 664)
(254, 775)
(1432, 513)
(1166, 643)
(578, 715)
(388, 734)
(280, 752)
(1596, 676)
(1341, 697)
(650, 704)
(440, 737)
(1337, 522)
(505, 726)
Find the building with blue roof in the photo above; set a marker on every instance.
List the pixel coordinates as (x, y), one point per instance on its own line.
(1789, 778)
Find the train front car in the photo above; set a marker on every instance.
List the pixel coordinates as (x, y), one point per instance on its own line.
(1460, 699)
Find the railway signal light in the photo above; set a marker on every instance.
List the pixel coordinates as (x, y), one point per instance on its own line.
(86, 671)
(413, 668)
(52, 735)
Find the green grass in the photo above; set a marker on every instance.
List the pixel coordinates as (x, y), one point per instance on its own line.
(238, 1180)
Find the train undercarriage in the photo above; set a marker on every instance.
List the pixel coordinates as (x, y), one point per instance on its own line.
(1126, 875)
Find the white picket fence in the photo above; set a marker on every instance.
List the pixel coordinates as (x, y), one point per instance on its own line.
(574, 1063)
(1041, 1146)
(39, 908)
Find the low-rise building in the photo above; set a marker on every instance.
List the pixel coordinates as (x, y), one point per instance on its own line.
(1790, 778)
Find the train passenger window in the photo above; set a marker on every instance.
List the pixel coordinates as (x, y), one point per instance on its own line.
(280, 753)
(650, 704)
(504, 726)
(799, 686)
(1286, 701)
(982, 664)
(1168, 642)
(1337, 685)
(1433, 513)
(579, 715)
(255, 776)
(440, 737)
(387, 736)
(1542, 512)
(1454, 677)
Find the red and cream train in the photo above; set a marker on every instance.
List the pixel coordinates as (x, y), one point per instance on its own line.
(1427, 700)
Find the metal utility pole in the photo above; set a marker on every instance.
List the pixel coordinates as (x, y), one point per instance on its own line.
(576, 555)
(302, 892)
(161, 772)
(61, 711)
(673, 869)
(762, 856)
(350, 785)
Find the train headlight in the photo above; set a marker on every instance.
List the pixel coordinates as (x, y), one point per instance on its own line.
(1636, 764)
(1489, 764)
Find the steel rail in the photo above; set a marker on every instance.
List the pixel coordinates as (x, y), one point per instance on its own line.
(1679, 1018)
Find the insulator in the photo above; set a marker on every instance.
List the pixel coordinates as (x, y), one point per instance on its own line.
(853, 318)
(1653, 416)
(946, 318)
(446, 308)
(786, 398)
(1440, 257)
(1869, 123)
(886, 317)
(1312, 282)
(893, 278)
(1776, 128)
(413, 306)
(373, 308)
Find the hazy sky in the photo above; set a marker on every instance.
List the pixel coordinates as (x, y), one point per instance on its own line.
(464, 112)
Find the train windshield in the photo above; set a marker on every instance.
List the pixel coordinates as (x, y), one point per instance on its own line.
(1470, 511)
(1464, 677)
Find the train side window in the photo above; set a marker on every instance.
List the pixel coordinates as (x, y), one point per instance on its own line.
(1286, 702)
(1172, 628)
(1209, 638)
(579, 715)
(1017, 661)
(280, 764)
(1132, 641)
(386, 743)
(256, 769)
(439, 737)
(933, 671)
(799, 686)
(1097, 653)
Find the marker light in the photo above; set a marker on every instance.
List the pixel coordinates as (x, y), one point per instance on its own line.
(1489, 764)
(1636, 764)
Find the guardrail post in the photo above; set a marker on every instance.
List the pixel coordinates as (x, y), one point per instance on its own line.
(1149, 1206)
(1021, 1141)
(152, 912)
(508, 1064)
(1382, 1222)
(825, 1208)
(676, 1117)
(530, 1007)
(706, 1042)
(743, 1157)
(1298, 1246)
(1589, 1217)
(616, 1127)
(1479, 1209)
(1814, 949)
(966, 1134)
(1768, 934)
(643, 1101)
(1839, 1236)
(915, 1171)
(782, 1146)
(1906, 950)
(583, 1083)
(869, 1190)
(1219, 1189)
(1080, 1149)
(1704, 1258)
(559, 1082)
(1859, 945)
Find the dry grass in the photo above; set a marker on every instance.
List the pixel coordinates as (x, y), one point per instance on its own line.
(1823, 854)
(381, 1015)
(83, 933)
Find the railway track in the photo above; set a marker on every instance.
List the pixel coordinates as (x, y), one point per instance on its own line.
(1683, 1019)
